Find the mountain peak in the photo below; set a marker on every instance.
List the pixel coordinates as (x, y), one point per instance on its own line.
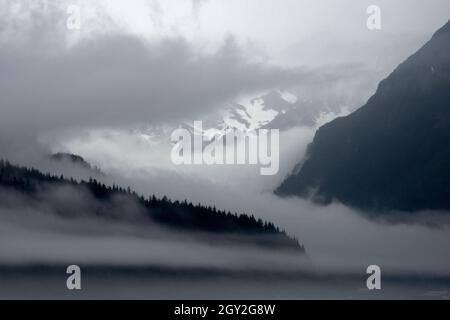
(392, 153)
(70, 158)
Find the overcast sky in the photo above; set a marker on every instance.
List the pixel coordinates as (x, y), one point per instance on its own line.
(149, 61)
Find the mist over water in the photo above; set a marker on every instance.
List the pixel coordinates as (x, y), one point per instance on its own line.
(335, 236)
(340, 241)
(112, 93)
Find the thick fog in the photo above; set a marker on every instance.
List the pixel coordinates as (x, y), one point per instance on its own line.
(159, 64)
(335, 236)
(33, 233)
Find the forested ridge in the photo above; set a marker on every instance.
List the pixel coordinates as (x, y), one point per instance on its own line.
(182, 215)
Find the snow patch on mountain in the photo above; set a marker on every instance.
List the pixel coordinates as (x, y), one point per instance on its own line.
(249, 117)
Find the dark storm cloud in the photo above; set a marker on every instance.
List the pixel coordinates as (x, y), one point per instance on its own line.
(106, 79)
(117, 79)
(120, 79)
(48, 83)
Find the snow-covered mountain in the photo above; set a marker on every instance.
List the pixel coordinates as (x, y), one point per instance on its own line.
(276, 109)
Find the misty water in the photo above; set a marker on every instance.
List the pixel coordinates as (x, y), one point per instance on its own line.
(107, 283)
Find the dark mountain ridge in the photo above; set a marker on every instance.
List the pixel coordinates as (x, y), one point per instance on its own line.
(70, 161)
(114, 202)
(70, 158)
(394, 152)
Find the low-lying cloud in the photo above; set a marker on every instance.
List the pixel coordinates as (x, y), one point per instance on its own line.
(336, 237)
(33, 233)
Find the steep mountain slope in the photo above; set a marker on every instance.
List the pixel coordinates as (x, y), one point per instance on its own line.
(71, 199)
(394, 152)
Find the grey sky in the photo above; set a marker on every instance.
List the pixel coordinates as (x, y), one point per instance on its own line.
(50, 81)
(160, 60)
